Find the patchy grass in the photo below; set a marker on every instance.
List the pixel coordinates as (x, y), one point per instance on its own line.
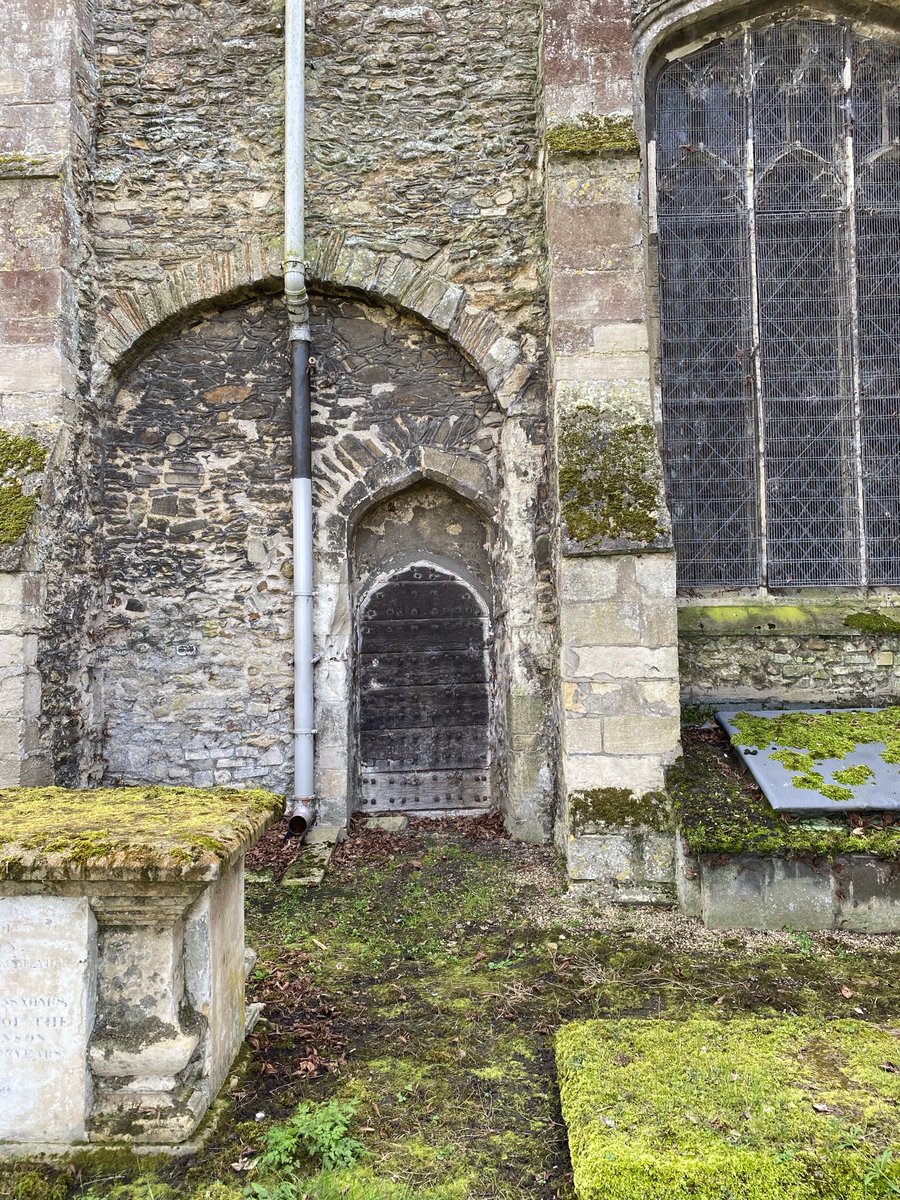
(757, 1108)
(425, 982)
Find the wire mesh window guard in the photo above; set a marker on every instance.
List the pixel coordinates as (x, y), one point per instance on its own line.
(778, 211)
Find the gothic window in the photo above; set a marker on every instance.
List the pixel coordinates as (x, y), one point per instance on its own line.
(777, 201)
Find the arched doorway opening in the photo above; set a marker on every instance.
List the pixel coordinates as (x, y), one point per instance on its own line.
(423, 695)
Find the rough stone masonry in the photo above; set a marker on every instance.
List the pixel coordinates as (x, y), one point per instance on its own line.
(483, 325)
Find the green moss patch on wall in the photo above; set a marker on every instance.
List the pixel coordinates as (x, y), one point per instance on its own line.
(618, 808)
(588, 134)
(20, 457)
(873, 622)
(703, 1109)
(827, 617)
(176, 829)
(609, 482)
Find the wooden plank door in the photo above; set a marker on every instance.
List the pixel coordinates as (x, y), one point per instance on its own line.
(423, 696)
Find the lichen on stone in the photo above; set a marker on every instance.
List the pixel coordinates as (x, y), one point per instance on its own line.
(588, 134)
(143, 828)
(618, 808)
(609, 480)
(20, 458)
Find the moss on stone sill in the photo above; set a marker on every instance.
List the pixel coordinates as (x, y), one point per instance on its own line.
(820, 616)
(589, 134)
(873, 622)
(618, 808)
(717, 813)
(608, 480)
(761, 1108)
(20, 457)
(130, 827)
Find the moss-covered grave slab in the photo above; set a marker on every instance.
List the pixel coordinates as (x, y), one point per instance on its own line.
(746, 1109)
(159, 833)
(821, 760)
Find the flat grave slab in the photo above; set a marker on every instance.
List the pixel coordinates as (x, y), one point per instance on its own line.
(779, 779)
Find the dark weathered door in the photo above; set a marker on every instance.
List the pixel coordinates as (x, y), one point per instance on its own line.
(423, 696)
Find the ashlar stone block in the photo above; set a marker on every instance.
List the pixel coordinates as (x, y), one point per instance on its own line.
(641, 735)
(48, 984)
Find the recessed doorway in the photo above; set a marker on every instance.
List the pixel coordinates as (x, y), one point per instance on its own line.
(423, 704)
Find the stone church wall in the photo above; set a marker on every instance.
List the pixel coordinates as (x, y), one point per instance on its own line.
(422, 137)
(197, 665)
(424, 151)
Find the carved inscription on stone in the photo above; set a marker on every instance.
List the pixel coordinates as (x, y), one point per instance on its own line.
(47, 993)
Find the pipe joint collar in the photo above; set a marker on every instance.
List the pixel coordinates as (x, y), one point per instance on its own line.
(300, 816)
(297, 299)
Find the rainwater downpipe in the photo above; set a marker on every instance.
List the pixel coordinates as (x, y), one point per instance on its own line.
(301, 808)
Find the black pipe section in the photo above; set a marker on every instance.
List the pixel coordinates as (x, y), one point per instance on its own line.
(300, 410)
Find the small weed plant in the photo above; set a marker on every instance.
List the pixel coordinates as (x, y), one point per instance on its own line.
(316, 1136)
(880, 1179)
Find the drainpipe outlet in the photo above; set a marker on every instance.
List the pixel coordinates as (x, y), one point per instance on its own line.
(301, 818)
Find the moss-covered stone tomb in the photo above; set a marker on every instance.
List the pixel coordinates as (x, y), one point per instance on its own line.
(121, 960)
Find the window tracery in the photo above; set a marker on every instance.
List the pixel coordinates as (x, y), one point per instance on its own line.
(778, 212)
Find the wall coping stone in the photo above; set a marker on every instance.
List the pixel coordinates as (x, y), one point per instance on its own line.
(844, 617)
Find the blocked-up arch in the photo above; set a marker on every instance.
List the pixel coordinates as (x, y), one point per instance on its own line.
(212, 625)
(135, 316)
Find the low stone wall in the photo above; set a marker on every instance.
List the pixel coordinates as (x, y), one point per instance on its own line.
(819, 652)
(121, 961)
(858, 893)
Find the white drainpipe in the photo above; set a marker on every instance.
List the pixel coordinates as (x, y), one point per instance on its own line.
(301, 808)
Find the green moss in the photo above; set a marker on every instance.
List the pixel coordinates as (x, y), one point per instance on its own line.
(855, 775)
(717, 814)
(831, 791)
(618, 807)
(698, 714)
(589, 134)
(823, 735)
(814, 781)
(702, 1109)
(608, 480)
(36, 1185)
(20, 457)
(178, 827)
(17, 159)
(795, 760)
(809, 781)
(873, 622)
